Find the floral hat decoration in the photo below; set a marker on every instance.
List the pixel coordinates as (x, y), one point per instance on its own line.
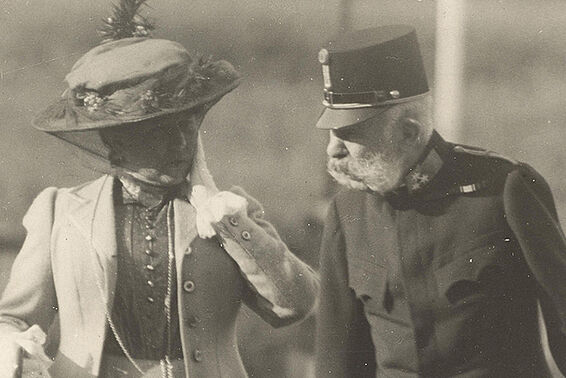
(131, 77)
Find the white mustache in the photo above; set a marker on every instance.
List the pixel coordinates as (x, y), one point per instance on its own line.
(344, 165)
(374, 172)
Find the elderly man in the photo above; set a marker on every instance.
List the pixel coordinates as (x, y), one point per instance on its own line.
(435, 255)
(145, 268)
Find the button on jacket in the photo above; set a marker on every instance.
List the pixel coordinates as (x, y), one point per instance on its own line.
(69, 262)
(138, 310)
(442, 277)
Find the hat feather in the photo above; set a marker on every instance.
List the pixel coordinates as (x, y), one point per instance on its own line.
(126, 22)
(130, 78)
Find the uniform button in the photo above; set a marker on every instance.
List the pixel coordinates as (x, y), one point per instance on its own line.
(246, 235)
(192, 321)
(150, 267)
(188, 251)
(148, 252)
(150, 283)
(189, 286)
(149, 238)
(234, 221)
(394, 94)
(197, 355)
(150, 299)
(149, 227)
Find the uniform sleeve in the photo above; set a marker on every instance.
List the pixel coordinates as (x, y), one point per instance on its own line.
(343, 343)
(532, 216)
(282, 288)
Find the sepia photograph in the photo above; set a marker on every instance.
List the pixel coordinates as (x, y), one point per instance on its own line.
(286, 189)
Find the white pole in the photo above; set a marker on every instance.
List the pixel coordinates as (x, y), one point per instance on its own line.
(449, 67)
(345, 15)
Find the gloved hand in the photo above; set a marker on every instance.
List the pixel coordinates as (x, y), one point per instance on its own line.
(31, 341)
(211, 209)
(211, 205)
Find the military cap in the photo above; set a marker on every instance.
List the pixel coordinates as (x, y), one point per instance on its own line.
(368, 70)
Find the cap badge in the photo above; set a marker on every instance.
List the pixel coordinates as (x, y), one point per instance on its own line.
(323, 56)
(326, 76)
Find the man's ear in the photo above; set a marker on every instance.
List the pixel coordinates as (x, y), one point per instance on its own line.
(411, 131)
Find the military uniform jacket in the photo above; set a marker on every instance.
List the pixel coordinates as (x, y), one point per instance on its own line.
(442, 277)
(68, 266)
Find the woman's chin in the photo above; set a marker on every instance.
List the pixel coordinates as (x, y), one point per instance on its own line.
(154, 177)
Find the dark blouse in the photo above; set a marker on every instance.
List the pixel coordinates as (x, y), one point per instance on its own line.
(139, 303)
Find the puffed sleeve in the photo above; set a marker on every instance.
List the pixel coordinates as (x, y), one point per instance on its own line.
(343, 339)
(282, 288)
(29, 297)
(532, 216)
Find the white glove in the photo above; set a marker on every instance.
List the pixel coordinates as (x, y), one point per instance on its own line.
(211, 205)
(211, 209)
(31, 341)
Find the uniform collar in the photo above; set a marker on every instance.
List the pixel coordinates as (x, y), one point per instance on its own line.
(445, 170)
(429, 164)
(420, 180)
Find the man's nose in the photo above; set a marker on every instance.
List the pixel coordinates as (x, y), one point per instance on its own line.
(336, 147)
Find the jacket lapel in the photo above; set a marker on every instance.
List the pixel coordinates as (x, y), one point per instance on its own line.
(93, 214)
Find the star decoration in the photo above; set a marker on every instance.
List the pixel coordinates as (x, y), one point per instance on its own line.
(418, 180)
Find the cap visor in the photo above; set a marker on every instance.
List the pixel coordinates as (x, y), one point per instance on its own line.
(338, 118)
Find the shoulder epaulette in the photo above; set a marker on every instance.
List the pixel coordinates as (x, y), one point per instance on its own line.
(466, 188)
(476, 183)
(483, 153)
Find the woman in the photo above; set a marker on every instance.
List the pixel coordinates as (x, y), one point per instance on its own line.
(145, 269)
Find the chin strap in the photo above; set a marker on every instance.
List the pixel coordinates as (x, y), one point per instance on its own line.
(210, 203)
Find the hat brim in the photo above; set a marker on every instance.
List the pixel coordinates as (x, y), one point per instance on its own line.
(338, 118)
(55, 119)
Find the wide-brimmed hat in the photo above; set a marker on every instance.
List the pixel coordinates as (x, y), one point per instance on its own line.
(131, 77)
(366, 71)
(132, 80)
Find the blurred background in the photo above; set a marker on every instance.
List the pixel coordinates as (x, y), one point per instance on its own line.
(496, 67)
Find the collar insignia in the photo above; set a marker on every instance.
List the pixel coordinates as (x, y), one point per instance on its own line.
(422, 174)
(417, 180)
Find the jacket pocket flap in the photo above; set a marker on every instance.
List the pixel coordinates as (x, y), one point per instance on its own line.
(473, 266)
(367, 279)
